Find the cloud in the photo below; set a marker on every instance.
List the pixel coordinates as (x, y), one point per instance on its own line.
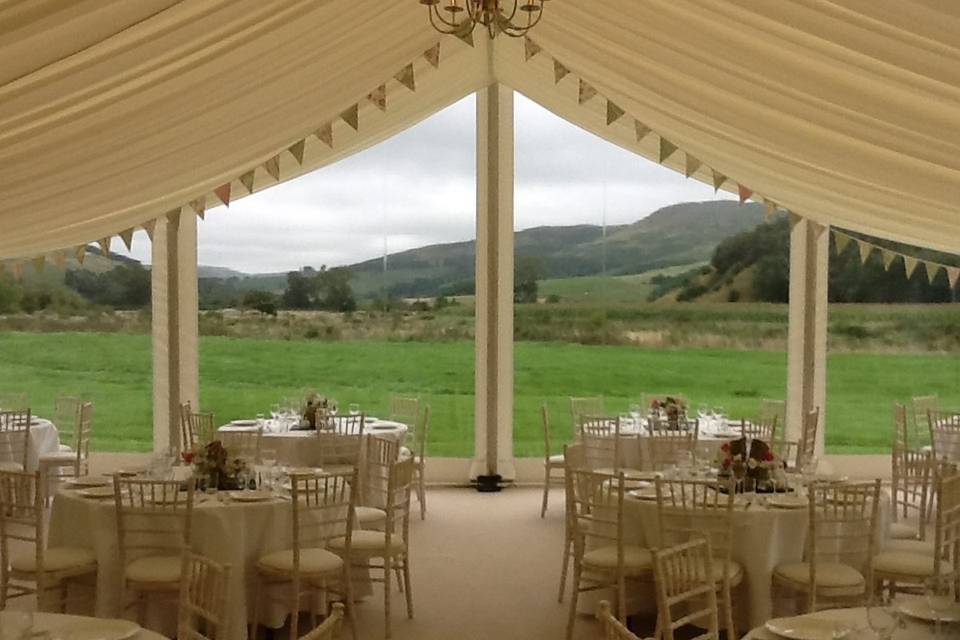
(417, 188)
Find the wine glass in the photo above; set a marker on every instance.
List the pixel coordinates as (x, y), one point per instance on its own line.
(882, 616)
(939, 595)
(354, 409)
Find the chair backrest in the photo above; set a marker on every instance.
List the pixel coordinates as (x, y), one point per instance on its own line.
(330, 628)
(153, 517)
(21, 521)
(13, 402)
(923, 405)
(843, 527)
(947, 533)
(247, 444)
(691, 509)
(686, 593)
(15, 436)
(398, 502)
(913, 474)
(203, 598)
(763, 429)
(323, 509)
(82, 436)
(944, 435)
(600, 436)
(612, 628)
(405, 409)
(584, 406)
(66, 413)
(379, 456)
(347, 425)
(338, 449)
(901, 436)
(772, 409)
(807, 446)
(596, 513)
(663, 447)
(545, 417)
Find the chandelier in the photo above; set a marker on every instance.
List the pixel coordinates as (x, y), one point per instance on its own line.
(459, 17)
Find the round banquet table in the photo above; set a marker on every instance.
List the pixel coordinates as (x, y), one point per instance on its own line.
(55, 622)
(44, 440)
(634, 452)
(300, 447)
(229, 532)
(857, 619)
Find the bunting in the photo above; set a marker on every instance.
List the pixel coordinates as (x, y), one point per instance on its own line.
(744, 192)
(149, 226)
(718, 179)
(378, 97)
(80, 253)
(324, 134)
(932, 271)
(865, 250)
(769, 208)
(586, 91)
(889, 256)
(842, 240)
(641, 129)
(909, 265)
(691, 165)
(352, 116)
(199, 207)
(127, 236)
(666, 149)
(559, 71)
(432, 55)
(298, 147)
(614, 113)
(465, 34)
(247, 180)
(272, 167)
(406, 78)
(223, 193)
(953, 273)
(104, 245)
(530, 48)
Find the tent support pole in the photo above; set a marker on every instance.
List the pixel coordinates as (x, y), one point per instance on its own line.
(493, 417)
(175, 304)
(807, 335)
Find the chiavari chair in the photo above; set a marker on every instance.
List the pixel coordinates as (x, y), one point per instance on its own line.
(771, 410)
(419, 462)
(379, 454)
(13, 402)
(612, 628)
(551, 463)
(71, 462)
(202, 611)
(664, 446)
(600, 437)
(584, 406)
(944, 435)
(330, 629)
(764, 429)
(807, 447)
(246, 444)
(685, 592)
(921, 406)
(573, 458)
(14, 439)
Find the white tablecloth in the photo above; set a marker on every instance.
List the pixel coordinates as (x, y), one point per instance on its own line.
(300, 448)
(44, 439)
(231, 533)
(57, 622)
(857, 619)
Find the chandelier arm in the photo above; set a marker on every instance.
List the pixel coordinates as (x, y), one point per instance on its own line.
(444, 27)
(515, 31)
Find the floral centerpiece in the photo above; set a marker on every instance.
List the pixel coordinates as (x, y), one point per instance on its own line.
(315, 403)
(213, 462)
(758, 464)
(673, 409)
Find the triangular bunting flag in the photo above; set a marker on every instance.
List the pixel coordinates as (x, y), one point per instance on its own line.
(324, 134)
(60, 258)
(530, 49)
(909, 265)
(865, 250)
(745, 193)
(39, 262)
(888, 257)
(273, 167)
(691, 166)
(432, 55)
(16, 269)
(614, 112)
(586, 91)
(173, 218)
(932, 269)
(641, 129)
(841, 240)
(223, 193)
(406, 78)
(953, 273)
(105, 245)
(379, 97)
(769, 208)
(149, 226)
(247, 180)
(199, 206)
(352, 117)
(80, 253)
(296, 150)
(559, 71)
(718, 179)
(666, 149)
(466, 33)
(127, 236)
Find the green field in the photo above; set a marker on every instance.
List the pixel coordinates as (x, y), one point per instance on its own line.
(243, 376)
(608, 289)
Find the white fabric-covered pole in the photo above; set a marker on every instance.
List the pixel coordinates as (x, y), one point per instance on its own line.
(493, 422)
(175, 303)
(807, 337)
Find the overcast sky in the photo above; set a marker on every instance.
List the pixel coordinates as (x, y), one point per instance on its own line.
(417, 188)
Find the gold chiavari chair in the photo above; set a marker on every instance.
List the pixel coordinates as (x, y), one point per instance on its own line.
(153, 530)
(392, 545)
(246, 444)
(840, 545)
(807, 447)
(771, 410)
(602, 558)
(691, 509)
(895, 567)
(912, 473)
(202, 613)
(573, 458)
(420, 461)
(323, 510)
(685, 593)
(13, 402)
(944, 435)
(600, 437)
(71, 462)
(186, 430)
(665, 446)
(551, 463)
(921, 406)
(379, 455)
(338, 453)
(901, 435)
(66, 412)
(197, 430)
(584, 406)
(50, 569)
(14, 439)
(612, 628)
(407, 410)
(349, 424)
(330, 629)
(763, 429)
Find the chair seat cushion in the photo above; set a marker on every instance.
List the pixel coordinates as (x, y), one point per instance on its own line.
(829, 574)
(55, 559)
(8, 465)
(734, 571)
(66, 447)
(904, 531)
(154, 569)
(312, 561)
(636, 559)
(905, 563)
(370, 515)
(66, 457)
(368, 542)
(922, 547)
(556, 459)
(337, 468)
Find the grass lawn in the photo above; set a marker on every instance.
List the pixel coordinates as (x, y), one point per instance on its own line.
(243, 376)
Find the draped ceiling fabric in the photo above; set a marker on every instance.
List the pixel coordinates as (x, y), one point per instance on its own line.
(114, 112)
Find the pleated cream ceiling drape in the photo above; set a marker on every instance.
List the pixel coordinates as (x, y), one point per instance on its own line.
(113, 113)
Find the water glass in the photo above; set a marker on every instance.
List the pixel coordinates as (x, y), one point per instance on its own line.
(354, 409)
(883, 616)
(940, 597)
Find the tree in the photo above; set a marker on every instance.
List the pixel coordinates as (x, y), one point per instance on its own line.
(529, 270)
(299, 292)
(262, 301)
(336, 289)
